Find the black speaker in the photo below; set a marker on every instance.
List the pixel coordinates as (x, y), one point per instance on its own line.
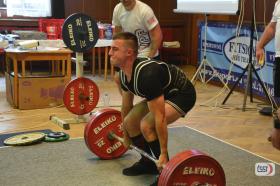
(58, 10)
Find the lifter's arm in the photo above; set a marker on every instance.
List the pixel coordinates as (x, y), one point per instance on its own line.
(157, 108)
(127, 104)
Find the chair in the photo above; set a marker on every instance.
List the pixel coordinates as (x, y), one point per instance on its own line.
(53, 27)
(171, 50)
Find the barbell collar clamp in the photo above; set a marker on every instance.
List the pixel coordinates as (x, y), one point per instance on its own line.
(83, 97)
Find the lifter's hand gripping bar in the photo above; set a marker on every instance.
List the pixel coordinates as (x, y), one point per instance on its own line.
(112, 135)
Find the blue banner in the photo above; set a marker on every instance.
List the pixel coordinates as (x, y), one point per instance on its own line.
(225, 51)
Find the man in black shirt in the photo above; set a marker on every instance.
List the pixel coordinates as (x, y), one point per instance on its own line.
(168, 95)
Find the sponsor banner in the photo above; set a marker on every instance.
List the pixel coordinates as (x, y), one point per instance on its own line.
(226, 52)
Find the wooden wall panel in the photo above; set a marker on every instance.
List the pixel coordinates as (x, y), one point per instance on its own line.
(155, 5)
(113, 4)
(166, 11)
(99, 10)
(73, 6)
(260, 6)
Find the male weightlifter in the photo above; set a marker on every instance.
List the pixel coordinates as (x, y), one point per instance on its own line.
(168, 95)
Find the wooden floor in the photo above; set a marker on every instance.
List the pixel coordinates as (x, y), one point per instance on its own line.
(248, 130)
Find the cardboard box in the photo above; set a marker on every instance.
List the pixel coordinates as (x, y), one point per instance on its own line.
(36, 92)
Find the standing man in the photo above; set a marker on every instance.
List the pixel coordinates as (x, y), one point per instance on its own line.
(168, 95)
(271, 31)
(138, 18)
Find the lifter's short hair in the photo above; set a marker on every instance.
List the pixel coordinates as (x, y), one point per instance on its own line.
(130, 39)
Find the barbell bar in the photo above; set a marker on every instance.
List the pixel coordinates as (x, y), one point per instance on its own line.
(112, 135)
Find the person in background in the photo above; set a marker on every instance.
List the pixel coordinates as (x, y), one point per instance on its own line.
(167, 95)
(138, 18)
(271, 31)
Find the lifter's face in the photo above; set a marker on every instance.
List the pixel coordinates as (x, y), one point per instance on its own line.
(119, 53)
(128, 4)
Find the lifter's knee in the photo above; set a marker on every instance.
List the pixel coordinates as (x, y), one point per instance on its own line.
(131, 127)
(148, 130)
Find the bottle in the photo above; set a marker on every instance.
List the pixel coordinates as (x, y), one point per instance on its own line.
(108, 32)
(106, 100)
(101, 30)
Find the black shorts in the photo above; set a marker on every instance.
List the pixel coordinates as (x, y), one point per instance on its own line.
(183, 100)
(277, 77)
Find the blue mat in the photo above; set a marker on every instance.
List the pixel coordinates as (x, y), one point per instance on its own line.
(5, 136)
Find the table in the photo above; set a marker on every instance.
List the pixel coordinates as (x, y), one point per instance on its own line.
(102, 43)
(18, 59)
(2, 61)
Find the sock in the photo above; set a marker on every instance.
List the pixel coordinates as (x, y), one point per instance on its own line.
(155, 148)
(140, 142)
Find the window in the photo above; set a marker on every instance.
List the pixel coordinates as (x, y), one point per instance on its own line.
(208, 6)
(2, 4)
(29, 8)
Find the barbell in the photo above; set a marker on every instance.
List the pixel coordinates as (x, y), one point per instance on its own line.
(102, 135)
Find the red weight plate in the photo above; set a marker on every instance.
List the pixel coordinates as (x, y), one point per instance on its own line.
(96, 134)
(81, 96)
(86, 133)
(170, 166)
(173, 164)
(167, 169)
(192, 168)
